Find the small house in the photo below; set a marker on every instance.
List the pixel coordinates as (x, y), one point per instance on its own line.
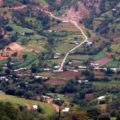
(35, 107)
(66, 109)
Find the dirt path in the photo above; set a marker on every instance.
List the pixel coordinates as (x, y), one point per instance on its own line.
(78, 27)
(16, 8)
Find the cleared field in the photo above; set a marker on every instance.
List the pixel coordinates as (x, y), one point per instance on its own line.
(102, 61)
(19, 29)
(31, 58)
(116, 47)
(55, 61)
(48, 109)
(79, 57)
(66, 44)
(64, 48)
(113, 64)
(110, 84)
(65, 76)
(64, 27)
(42, 2)
(99, 56)
(36, 45)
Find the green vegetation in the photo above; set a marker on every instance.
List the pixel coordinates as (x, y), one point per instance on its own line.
(115, 47)
(31, 72)
(99, 56)
(47, 108)
(112, 64)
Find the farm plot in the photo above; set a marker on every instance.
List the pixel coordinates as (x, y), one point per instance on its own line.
(65, 27)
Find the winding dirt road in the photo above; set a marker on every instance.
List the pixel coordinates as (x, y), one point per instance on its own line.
(78, 27)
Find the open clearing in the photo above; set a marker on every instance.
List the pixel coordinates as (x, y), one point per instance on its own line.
(116, 47)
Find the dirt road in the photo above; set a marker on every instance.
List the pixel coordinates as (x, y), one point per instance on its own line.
(78, 27)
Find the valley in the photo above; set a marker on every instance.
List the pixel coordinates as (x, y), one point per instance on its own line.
(61, 55)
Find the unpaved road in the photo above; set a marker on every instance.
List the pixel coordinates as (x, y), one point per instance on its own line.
(78, 27)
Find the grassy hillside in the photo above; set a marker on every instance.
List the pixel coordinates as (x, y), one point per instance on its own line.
(47, 108)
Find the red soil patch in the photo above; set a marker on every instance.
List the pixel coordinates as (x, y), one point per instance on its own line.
(78, 13)
(61, 78)
(102, 61)
(69, 74)
(56, 107)
(83, 9)
(10, 50)
(15, 47)
(56, 82)
(99, 73)
(1, 58)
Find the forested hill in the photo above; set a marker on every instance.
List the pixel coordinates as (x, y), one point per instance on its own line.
(81, 6)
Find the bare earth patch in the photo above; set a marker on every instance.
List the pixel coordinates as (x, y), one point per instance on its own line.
(15, 47)
(102, 61)
(10, 50)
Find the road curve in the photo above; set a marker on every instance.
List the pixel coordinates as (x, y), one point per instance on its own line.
(78, 27)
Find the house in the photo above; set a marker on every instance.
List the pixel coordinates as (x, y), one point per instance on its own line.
(57, 55)
(82, 81)
(46, 69)
(75, 42)
(105, 69)
(3, 78)
(86, 81)
(37, 77)
(35, 107)
(50, 31)
(57, 71)
(47, 99)
(114, 9)
(70, 63)
(94, 64)
(41, 77)
(27, 33)
(56, 67)
(101, 99)
(20, 69)
(89, 43)
(82, 67)
(97, 68)
(114, 69)
(66, 109)
(75, 70)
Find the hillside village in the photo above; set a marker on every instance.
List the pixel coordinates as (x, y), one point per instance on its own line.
(62, 53)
